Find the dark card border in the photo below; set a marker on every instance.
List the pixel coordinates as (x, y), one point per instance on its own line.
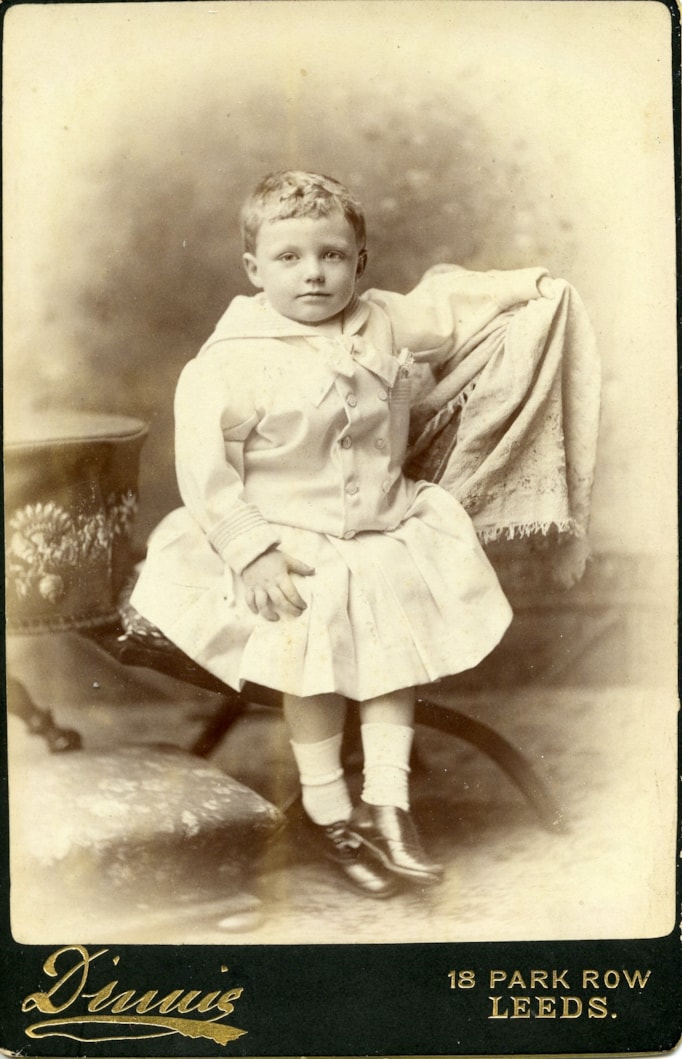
(361, 1000)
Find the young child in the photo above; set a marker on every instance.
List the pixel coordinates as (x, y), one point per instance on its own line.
(303, 560)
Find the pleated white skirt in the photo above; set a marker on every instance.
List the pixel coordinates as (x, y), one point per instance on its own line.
(385, 610)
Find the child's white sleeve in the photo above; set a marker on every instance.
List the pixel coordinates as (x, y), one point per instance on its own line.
(210, 432)
(450, 305)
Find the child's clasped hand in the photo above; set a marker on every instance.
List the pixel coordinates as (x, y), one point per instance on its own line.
(269, 587)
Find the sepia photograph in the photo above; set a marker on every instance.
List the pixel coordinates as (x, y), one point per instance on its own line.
(340, 364)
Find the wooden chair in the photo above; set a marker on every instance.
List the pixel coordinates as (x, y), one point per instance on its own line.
(92, 464)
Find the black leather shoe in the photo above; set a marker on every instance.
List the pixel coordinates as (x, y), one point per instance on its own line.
(360, 869)
(390, 835)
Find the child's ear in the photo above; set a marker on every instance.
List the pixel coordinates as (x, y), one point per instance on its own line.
(362, 263)
(251, 269)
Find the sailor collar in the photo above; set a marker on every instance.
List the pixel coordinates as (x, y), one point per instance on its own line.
(253, 317)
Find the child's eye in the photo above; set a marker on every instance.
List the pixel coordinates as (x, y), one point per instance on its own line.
(287, 257)
(334, 255)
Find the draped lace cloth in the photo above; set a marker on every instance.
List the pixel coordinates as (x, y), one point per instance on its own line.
(511, 430)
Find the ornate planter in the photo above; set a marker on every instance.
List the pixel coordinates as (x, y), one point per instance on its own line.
(70, 498)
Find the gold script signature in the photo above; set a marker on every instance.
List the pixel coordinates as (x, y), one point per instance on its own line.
(142, 1015)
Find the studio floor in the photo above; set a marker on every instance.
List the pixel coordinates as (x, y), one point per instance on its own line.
(607, 754)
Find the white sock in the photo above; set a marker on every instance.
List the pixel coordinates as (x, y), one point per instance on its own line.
(323, 785)
(386, 749)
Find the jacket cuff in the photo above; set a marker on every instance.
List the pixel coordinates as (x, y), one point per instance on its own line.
(243, 536)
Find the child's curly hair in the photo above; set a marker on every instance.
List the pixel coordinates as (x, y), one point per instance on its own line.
(295, 193)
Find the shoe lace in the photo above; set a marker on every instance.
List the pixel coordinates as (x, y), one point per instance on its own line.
(342, 837)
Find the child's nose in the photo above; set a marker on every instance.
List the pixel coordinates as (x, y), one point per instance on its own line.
(314, 269)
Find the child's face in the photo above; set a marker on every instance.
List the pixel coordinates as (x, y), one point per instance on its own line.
(307, 266)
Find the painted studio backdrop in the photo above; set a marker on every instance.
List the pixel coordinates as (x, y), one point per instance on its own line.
(489, 134)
